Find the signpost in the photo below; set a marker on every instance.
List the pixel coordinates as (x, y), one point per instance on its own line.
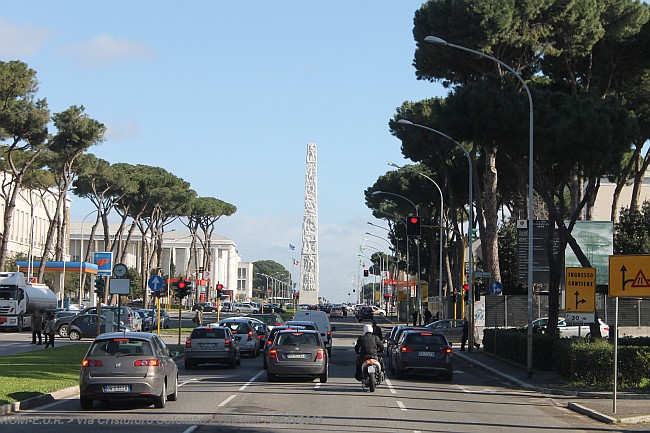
(496, 288)
(155, 283)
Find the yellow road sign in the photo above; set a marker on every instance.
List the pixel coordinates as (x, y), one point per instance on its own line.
(628, 276)
(580, 293)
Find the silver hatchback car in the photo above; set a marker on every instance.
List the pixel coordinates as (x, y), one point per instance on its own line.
(121, 365)
(211, 344)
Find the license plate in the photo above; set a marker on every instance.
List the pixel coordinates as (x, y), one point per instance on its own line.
(117, 388)
(371, 369)
(296, 355)
(207, 345)
(427, 354)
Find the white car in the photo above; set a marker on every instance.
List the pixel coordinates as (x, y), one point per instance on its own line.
(566, 330)
(242, 307)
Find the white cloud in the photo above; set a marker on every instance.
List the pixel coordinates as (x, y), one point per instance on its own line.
(18, 42)
(118, 132)
(106, 49)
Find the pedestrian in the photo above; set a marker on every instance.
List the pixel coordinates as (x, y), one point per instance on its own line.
(465, 336)
(376, 330)
(50, 330)
(437, 317)
(416, 316)
(37, 327)
(198, 318)
(427, 316)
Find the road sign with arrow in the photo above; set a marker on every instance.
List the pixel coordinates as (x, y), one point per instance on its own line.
(580, 293)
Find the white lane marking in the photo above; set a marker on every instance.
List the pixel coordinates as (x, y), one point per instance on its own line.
(253, 379)
(191, 429)
(317, 385)
(390, 386)
(228, 400)
(401, 405)
(187, 381)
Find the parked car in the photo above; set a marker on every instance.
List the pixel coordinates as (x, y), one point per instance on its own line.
(226, 306)
(451, 328)
(297, 353)
(85, 326)
(147, 320)
(126, 315)
(212, 344)
(566, 330)
(164, 318)
(128, 365)
(271, 319)
(244, 332)
(423, 351)
(241, 307)
(63, 322)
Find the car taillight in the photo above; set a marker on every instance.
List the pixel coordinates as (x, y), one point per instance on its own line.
(278, 324)
(146, 363)
(606, 328)
(228, 343)
(188, 343)
(404, 349)
(250, 336)
(320, 354)
(273, 354)
(446, 351)
(269, 342)
(91, 363)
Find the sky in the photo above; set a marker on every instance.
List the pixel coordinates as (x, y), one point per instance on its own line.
(227, 95)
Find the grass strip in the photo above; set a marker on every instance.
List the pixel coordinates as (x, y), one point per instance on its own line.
(30, 374)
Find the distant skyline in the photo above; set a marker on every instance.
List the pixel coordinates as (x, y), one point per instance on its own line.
(227, 96)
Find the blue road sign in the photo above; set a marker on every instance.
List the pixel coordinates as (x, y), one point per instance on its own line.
(155, 283)
(496, 288)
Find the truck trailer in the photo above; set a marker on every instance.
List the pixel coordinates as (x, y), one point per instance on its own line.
(19, 300)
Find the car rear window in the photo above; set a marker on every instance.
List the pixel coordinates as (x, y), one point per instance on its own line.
(425, 338)
(121, 346)
(208, 333)
(304, 326)
(297, 338)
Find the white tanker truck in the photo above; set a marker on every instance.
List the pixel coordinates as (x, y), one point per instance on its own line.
(19, 300)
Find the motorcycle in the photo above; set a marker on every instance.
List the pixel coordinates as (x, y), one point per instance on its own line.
(372, 374)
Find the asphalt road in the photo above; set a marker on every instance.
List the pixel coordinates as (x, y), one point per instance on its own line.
(217, 399)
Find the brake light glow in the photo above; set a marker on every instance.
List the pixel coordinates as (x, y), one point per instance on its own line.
(146, 363)
(250, 336)
(405, 349)
(446, 351)
(91, 363)
(273, 354)
(320, 354)
(269, 342)
(188, 343)
(227, 343)
(426, 333)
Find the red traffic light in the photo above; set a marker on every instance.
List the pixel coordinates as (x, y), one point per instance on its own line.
(414, 220)
(465, 287)
(219, 287)
(182, 284)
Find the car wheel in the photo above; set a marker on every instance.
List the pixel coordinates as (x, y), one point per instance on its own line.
(188, 365)
(237, 311)
(399, 374)
(74, 335)
(270, 377)
(63, 331)
(85, 403)
(174, 395)
(381, 314)
(159, 402)
(232, 363)
(323, 377)
(255, 311)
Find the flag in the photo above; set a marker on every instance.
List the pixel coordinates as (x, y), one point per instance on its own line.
(295, 262)
(292, 247)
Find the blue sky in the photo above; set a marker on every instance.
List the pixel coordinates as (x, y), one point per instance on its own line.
(227, 95)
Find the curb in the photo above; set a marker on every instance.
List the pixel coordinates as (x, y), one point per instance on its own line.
(606, 418)
(37, 401)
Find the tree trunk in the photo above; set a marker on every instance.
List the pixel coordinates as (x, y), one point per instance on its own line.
(490, 238)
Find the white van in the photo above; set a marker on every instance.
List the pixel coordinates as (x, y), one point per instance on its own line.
(322, 322)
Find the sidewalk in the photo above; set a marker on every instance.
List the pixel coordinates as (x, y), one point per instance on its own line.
(631, 407)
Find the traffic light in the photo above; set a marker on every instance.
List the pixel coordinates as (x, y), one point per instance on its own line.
(219, 290)
(466, 292)
(100, 284)
(413, 226)
(181, 288)
(365, 272)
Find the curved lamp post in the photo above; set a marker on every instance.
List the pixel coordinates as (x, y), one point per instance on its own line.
(442, 206)
(470, 202)
(529, 339)
(417, 243)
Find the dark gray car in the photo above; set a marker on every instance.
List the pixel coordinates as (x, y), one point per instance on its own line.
(211, 344)
(297, 353)
(122, 365)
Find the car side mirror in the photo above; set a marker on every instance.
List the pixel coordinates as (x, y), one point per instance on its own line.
(174, 353)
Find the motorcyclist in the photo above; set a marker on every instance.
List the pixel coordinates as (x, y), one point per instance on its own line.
(368, 346)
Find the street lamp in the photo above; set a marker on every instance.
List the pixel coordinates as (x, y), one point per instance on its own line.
(82, 257)
(442, 206)
(417, 243)
(469, 226)
(529, 337)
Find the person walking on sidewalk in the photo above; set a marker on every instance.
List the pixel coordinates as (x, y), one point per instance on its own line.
(37, 327)
(416, 316)
(427, 316)
(465, 337)
(50, 330)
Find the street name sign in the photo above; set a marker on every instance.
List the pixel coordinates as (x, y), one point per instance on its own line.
(628, 276)
(580, 292)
